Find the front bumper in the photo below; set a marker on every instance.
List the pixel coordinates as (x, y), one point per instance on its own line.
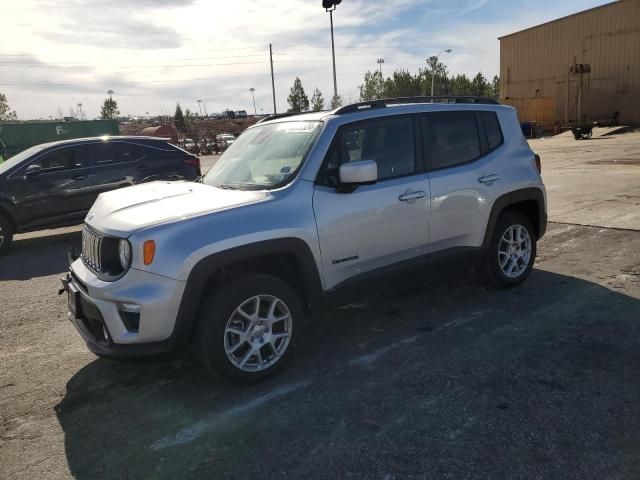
(98, 311)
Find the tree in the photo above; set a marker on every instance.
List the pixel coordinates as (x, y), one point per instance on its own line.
(403, 84)
(109, 107)
(336, 101)
(317, 101)
(178, 119)
(460, 85)
(189, 118)
(438, 69)
(373, 86)
(495, 87)
(5, 110)
(480, 85)
(298, 100)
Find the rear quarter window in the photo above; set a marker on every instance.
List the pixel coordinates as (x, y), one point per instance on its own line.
(492, 129)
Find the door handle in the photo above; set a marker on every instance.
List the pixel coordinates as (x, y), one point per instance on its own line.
(80, 177)
(142, 168)
(411, 196)
(489, 178)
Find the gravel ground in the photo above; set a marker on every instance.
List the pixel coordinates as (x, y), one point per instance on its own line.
(424, 379)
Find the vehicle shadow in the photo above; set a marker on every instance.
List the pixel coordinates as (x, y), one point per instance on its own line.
(40, 256)
(175, 420)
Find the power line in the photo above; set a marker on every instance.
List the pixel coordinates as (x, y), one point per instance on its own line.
(71, 65)
(109, 82)
(223, 49)
(52, 65)
(194, 65)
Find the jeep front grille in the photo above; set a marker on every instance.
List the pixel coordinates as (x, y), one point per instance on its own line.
(91, 248)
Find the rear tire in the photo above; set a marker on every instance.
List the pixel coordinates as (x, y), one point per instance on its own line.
(512, 251)
(6, 234)
(247, 328)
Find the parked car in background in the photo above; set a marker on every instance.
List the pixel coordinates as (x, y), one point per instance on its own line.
(213, 147)
(55, 184)
(225, 140)
(190, 145)
(241, 114)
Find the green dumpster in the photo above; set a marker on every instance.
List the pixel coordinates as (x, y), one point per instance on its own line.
(19, 136)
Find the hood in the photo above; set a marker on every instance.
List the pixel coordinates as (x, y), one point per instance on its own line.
(124, 211)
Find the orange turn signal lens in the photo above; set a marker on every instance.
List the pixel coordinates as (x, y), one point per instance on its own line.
(149, 250)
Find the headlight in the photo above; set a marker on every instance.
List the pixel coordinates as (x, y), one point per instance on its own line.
(124, 254)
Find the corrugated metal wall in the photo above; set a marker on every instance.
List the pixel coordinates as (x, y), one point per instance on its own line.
(535, 63)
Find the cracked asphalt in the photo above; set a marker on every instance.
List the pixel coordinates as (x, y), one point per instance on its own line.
(436, 376)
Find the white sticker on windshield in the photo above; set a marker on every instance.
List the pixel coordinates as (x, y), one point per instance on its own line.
(298, 127)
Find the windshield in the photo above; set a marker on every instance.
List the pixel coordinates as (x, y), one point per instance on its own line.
(17, 159)
(265, 156)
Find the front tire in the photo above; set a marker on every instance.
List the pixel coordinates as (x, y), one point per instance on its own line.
(512, 251)
(6, 234)
(246, 330)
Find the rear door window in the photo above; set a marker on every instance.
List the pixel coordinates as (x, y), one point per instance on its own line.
(492, 129)
(110, 153)
(104, 153)
(451, 138)
(60, 160)
(130, 152)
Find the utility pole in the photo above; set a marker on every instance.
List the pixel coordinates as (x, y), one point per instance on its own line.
(200, 106)
(255, 112)
(273, 82)
(380, 61)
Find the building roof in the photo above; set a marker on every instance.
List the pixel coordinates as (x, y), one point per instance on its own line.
(560, 19)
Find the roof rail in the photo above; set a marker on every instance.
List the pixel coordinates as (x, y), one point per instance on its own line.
(384, 102)
(278, 115)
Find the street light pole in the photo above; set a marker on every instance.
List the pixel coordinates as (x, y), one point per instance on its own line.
(255, 112)
(333, 56)
(273, 82)
(433, 69)
(330, 6)
(380, 61)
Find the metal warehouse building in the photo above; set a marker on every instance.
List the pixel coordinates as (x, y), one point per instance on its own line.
(581, 68)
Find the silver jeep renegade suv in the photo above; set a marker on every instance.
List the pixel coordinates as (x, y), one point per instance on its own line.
(297, 208)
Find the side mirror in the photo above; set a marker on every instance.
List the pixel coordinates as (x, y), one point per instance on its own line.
(361, 172)
(32, 171)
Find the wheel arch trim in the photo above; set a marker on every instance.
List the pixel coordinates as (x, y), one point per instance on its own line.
(512, 198)
(206, 267)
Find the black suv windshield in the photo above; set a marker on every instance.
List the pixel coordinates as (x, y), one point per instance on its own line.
(266, 156)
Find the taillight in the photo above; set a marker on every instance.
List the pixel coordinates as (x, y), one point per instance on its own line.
(538, 163)
(195, 161)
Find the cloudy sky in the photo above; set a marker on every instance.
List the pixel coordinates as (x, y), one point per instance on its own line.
(55, 54)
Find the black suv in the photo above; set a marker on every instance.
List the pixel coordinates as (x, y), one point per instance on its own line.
(55, 184)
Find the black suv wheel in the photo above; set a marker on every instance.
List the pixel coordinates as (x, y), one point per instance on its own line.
(246, 329)
(512, 251)
(6, 234)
